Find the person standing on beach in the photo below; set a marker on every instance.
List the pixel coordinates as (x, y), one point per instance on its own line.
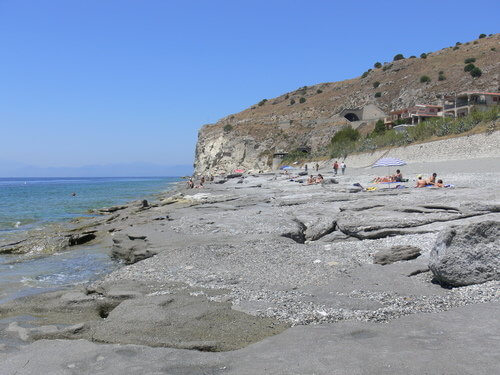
(317, 167)
(342, 166)
(335, 167)
(305, 167)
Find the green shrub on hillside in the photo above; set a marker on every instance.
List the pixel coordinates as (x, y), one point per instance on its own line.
(399, 56)
(295, 155)
(469, 67)
(302, 90)
(292, 102)
(476, 72)
(377, 65)
(379, 127)
(287, 96)
(423, 56)
(469, 60)
(344, 142)
(387, 67)
(481, 36)
(425, 79)
(376, 84)
(441, 76)
(365, 74)
(302, 100)
(455, 48)
(493, 49)
(227, 128)
(262, 102)
(349, 140)
(378, 94)
(319, 91)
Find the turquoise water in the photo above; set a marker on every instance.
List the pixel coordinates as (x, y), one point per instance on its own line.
(32, 202)
(29, 202)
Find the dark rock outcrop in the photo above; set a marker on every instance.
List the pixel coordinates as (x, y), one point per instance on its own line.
(81, 238)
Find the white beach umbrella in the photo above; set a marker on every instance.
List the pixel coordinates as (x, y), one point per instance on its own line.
(388, 162)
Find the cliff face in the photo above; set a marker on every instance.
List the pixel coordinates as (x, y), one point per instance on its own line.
(309, 116)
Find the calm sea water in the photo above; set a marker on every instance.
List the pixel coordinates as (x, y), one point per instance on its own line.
(31, 202)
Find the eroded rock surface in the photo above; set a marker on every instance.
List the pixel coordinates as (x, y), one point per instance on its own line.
(130, 248)
(466, 255)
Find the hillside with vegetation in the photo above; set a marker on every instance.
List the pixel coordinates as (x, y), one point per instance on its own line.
(310, 116)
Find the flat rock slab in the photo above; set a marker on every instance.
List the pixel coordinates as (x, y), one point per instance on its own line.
(183, 321)
(459, 341)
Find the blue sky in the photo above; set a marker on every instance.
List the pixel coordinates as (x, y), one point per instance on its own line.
(119, 81)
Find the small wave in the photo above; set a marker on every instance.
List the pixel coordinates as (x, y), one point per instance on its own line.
(55, 278)
(17, 224)
(28, 281)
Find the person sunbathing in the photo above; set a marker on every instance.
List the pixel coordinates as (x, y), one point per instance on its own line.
(383, 179)
(431, 180)
(398, 177)
(439, 184)
(319, 179)
(421, 183)
(310, 180)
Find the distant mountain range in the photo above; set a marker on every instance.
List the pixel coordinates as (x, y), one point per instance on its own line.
(13, 169)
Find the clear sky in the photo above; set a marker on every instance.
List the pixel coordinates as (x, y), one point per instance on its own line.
(118, 81)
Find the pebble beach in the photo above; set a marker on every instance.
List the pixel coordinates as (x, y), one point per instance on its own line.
(266, 274)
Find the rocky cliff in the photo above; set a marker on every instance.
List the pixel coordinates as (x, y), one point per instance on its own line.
(309, 116)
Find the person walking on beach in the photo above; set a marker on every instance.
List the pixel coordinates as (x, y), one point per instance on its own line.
(335, 167)
(342, 166)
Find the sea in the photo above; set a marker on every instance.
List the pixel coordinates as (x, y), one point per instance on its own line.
(31, 203)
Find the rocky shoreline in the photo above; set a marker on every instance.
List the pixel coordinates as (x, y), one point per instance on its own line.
(225, 271)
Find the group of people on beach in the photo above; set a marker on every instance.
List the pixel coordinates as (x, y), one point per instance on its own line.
(421, 182)
(192, 185)
(336, 166)
(316, 167)
(315, 180)
(397, 177)
(429, 182)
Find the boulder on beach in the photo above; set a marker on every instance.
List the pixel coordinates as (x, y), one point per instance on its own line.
(467, 254)
(396, 254)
